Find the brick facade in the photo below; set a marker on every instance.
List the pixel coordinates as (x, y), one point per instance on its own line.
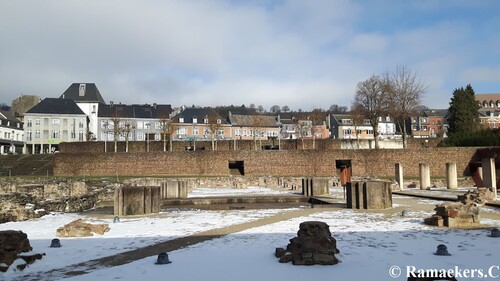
(318, 162)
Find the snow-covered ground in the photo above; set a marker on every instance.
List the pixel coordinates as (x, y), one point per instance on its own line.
(225, 191)
(372, 246)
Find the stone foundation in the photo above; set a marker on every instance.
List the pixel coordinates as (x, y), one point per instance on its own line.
(137, 200)
(314, 244)
(369, 195)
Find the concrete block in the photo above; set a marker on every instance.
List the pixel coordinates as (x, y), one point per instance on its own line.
(136, 200)
(368, 195)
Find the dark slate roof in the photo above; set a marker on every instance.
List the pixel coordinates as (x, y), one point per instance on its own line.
(199, 113)
(144, 111)
(253, 120)
(6, 115)
(90, 93)
(56, 106)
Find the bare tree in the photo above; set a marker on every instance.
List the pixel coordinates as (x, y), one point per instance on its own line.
(358, 119)
(260, 109)
(303, 127)
(213, 127)
(316, 117)
(167, 129)
(285, 108)
(337, 109)
(275, 108)
(116, 127)
(128, 126)
(406, 91)
(372, 100)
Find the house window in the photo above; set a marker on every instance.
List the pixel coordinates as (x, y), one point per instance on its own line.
(55, 121)
(140, 136)
(81, 135)
(29, 135)
(28, 123)
(244, 133)
(181, 131)
(55, 134)
(37, 134)
(359, 132)
(237, 132)
(93, 109)
(73, 134)
(80, 125)
(37, 122)
(195, 131)
(347, 131)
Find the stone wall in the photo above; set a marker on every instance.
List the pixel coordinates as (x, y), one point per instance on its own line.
(375, 163)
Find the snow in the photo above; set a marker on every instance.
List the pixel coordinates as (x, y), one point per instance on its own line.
(370, 244)
(222, 191)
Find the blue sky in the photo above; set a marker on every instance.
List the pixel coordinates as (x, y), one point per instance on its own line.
(303, 54)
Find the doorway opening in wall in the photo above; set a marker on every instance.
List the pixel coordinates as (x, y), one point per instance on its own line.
(344, 168)
(237, 168)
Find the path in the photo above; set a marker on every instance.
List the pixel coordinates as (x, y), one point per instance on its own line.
(167, 246)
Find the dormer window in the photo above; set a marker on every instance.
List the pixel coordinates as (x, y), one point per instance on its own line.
(181, 120)
(219, 121)
(485, 104)
(492, 104)
(81, 90)
(195, 120)
(498, 103)
(205, 120)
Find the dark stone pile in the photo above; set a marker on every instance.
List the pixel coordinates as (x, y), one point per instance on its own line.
(15, 245)
(314, 244)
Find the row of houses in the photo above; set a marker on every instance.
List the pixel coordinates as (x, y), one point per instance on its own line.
(80, 114)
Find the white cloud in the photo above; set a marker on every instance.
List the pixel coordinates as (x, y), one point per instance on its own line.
(300, 53)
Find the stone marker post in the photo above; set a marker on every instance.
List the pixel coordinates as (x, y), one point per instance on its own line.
(489, 174)
(399, 175)
(425, 175)
(451, 175)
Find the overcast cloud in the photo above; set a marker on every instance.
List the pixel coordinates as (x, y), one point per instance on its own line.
(303, 54)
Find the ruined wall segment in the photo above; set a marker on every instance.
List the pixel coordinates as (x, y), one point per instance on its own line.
(376, 163)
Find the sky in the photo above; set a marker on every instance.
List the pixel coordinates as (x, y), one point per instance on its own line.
(304, 54)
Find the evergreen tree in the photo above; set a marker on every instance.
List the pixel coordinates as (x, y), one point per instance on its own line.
(463, 114)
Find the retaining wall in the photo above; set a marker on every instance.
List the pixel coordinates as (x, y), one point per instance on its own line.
(376, 163)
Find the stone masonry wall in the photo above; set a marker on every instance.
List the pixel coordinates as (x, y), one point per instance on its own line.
(376, 163)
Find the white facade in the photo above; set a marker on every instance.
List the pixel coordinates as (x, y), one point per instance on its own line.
(10, 135)
(44, 132)
(91, 110)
